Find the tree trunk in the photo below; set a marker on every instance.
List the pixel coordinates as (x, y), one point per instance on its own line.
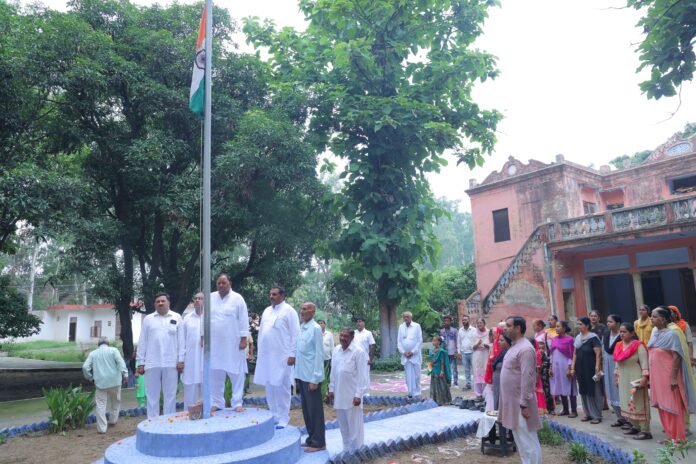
(32, 277)
(388, 329)
(124, 313)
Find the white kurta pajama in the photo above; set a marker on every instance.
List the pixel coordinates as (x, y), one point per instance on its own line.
(410, 338)
(348, 380)
(278, 332)
(159, 351)
(190, 339)
(364, 340)
(229, 322)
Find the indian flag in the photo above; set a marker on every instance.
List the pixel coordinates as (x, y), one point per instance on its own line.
(197, 96)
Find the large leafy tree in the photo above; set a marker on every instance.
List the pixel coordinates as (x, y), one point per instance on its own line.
(118, 76)
(15, 319)
(668, 47)
(391, 87)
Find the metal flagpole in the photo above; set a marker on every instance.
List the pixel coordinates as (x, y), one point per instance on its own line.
(206, 206)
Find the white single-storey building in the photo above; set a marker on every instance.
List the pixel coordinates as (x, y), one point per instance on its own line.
(79, 323)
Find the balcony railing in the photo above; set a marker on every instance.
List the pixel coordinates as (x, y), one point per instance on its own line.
(626, 219)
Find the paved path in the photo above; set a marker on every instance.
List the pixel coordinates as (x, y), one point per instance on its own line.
(7, 362)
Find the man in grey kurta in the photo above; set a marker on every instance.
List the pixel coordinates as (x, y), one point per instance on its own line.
(518, 410)
(105, 366)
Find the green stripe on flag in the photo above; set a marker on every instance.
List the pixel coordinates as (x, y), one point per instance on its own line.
(197, 102)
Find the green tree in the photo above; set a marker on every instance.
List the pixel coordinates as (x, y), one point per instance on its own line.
(668, 47)
(389, 86)
(448, 285)
(636, 158)
(15, 319)
(119, 79)
(454, 232)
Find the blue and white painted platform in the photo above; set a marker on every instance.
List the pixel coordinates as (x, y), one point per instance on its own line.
(228, 437)
(431, 425)
(250, 437)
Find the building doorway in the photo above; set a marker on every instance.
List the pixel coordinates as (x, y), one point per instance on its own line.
(613, 294)
(72, 331)
(671, 287)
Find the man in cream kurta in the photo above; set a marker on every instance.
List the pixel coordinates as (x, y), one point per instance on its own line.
(229, 328)
(347, 385)
(160, 356)
(277, 345)
(105, 366)
(410, 339)
(518, 410)
(190, 339)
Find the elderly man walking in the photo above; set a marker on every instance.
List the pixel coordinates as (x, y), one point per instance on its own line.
(277, 347)
(106, 367)
(347, 386)
(410, 339)
(160, 357)
(309, 374)
(190, 339)
(518, 404)
(229, 329)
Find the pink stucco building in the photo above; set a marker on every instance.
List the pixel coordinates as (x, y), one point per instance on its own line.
(564, 238)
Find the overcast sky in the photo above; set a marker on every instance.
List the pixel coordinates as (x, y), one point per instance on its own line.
(568, 83)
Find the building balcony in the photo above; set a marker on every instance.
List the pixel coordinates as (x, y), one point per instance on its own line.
(666, 213)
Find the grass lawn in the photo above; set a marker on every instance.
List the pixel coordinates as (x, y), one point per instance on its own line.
(35, 345)
(49, 351)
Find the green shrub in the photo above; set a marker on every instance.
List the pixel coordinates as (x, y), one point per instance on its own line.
(391, 364)
(69, 407)
(638, 457)
(578, 453)
(674, 451)
(549, 437)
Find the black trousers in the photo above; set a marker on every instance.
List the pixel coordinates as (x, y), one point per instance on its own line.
(313, 413)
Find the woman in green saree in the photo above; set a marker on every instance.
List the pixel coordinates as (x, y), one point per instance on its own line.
(440, 373)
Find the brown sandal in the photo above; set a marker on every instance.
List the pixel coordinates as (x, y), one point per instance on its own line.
(572, 415)
(643, 436)
(595, 421)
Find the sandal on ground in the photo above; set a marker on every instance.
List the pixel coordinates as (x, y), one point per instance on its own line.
(618, 423)
(572, 415)
(631, 431)
(627, 426)
(595, 421)
(586, 419)
(643, 436)
(564, 413)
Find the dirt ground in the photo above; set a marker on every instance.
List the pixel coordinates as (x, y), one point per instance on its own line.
(467, 449)
(86, 445)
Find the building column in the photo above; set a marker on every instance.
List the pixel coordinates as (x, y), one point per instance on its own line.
(588, 298)
(638, 290)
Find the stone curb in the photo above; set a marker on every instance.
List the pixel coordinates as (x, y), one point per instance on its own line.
(594, 445)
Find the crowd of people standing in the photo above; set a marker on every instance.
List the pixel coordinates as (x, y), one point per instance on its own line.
(624, 367)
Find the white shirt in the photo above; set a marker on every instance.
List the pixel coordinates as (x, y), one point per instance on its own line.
(158, 342)
(190, 339)
(229, 322)
(328, 345)
(364, 340)
(278, 332)
(349, 375)
(466, 339)
(410, 338)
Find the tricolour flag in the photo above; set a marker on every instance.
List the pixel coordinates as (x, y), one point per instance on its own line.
(197, 95)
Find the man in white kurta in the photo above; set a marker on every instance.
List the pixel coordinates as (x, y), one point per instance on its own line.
(410, 339)
(366, 341)
(347, 386)
(159, 356)
(190, 339)
(229, 328)
(277, 344)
